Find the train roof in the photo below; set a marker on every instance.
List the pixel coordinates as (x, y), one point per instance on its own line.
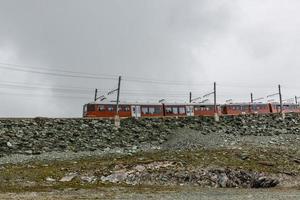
(123, 103)
(236, 104)
(186, 104)
(190, 104)
(154, 104)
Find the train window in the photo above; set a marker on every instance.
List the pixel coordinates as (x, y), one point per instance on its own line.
(157, 110)
(101, 108)
(127, 108)
(175, 110)
(199, 108)
(168, 110)
(110, 108)
(145, 110)
(181, 110)
(124, 108)
(151, 110)
(90, 107)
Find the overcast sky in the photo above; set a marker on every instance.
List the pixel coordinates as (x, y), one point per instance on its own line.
(162, 49)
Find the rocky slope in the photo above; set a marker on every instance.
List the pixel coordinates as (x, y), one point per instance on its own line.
(253, 151)
(38, 135)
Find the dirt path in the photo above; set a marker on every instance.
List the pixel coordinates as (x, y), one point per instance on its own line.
(182, 193)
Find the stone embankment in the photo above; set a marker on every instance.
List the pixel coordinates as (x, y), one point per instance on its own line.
(250, 151)
(39, 135)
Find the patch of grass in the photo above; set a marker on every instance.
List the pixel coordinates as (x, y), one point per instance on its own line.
(32, 176)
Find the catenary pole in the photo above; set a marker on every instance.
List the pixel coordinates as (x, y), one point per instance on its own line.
(117, 118)
(215, 103)
(215, 98)
(280, 98)
(118, 95)
(251, 99)
(96, 93)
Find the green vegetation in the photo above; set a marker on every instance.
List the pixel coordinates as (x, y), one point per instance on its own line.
(32, 176)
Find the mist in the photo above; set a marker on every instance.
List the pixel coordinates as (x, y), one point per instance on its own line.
(178, 46)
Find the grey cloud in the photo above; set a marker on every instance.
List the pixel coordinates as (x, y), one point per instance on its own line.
(192, 41)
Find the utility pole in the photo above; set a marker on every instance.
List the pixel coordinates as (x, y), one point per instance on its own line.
(96, 93)
(296, 100)
(190, 97)
(117, 118)
(251, 106)
(215, 103)
(118, 95)
(280, 100)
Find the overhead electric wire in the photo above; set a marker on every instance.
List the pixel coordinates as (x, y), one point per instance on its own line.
(43, 87)
(163, 83)
(58, 74)
(30, 86)
(54, 69)
(76, 74)
(134, 93)
(43, 95)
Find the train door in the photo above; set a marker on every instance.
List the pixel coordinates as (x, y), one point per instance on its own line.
(84, 110)
(271, 108)
(190, 110)
(136, 111)
(224, 110)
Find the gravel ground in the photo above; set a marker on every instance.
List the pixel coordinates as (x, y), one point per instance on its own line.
(70, 155)
(182, 193)
(59, 156)
(182, 139)
(187, 139)
(179, 137)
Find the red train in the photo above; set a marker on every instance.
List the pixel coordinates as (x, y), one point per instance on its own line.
(175, 110)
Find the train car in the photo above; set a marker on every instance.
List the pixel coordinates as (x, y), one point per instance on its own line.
(286, 108)
(175, 110)
(261, 108)
(290, 108)
(236, 109)
(205, 109)
(109, 110)
(147, 110)
(137, 110)
(106, 110)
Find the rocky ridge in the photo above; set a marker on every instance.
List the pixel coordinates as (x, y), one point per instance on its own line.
(39, 135)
